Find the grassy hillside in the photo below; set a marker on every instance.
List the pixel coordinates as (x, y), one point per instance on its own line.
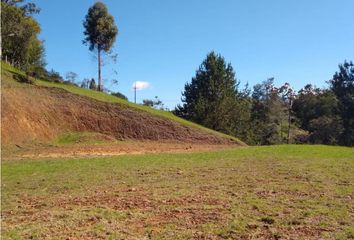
(276, 192)
(104, 97)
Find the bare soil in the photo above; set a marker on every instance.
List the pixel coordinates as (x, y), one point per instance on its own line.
(33, 113)
(106, 149)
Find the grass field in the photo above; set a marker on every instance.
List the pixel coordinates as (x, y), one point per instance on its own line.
(276, 192)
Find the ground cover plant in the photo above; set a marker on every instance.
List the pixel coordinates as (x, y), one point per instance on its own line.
(273, 192)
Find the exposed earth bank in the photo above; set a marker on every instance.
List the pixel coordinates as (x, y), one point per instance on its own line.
(38, 114)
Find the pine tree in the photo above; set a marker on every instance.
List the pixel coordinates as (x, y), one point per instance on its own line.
(211, 96)
(342, 85)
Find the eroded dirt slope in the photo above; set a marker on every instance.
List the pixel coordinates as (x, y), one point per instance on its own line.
(33, 113)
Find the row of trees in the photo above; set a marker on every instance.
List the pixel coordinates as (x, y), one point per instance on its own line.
(268, 114)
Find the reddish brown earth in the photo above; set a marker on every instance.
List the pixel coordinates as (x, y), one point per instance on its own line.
(39, 114)
(105, 149)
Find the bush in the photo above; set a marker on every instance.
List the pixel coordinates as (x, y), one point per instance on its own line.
(23, 78)
(119, 95)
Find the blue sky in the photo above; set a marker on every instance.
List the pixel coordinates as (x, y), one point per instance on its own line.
(163, 41)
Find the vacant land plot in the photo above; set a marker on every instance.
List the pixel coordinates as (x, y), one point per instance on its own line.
(278, 192)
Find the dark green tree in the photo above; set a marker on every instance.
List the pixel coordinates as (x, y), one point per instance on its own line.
(100, 32)
(325, 130)
(317, 112)
(240, 114)
(119, 95)
(342, 85)
(148, 102)
(93, 85)
(211, 96)
(312, 103)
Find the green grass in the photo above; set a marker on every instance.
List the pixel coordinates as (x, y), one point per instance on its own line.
(296, 192)
(104, 97)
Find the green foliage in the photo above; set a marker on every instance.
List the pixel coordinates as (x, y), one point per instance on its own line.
(211, 96)
(267, 114)
(100, 29)
(93, 85)
(317, 110)
(271, 115)
(328, 114)
(100, 32)
(157, 103)
(53, 76)
(213, 100)
(27, 8)
(325, 130)
(241, 116)
(20, 43)
(342, 85)
(272, 120)
(119, 95)
(148, 102)
(36, 60)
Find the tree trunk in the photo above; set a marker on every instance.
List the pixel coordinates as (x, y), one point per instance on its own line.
(99, 88)
(289, 122)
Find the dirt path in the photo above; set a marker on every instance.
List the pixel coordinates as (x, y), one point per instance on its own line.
(111, 149)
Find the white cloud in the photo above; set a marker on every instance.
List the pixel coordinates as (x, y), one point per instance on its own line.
(140, 85)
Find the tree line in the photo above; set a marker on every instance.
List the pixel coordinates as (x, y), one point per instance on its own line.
(269, 114)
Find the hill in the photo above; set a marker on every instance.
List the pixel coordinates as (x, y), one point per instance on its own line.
(46, 111)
